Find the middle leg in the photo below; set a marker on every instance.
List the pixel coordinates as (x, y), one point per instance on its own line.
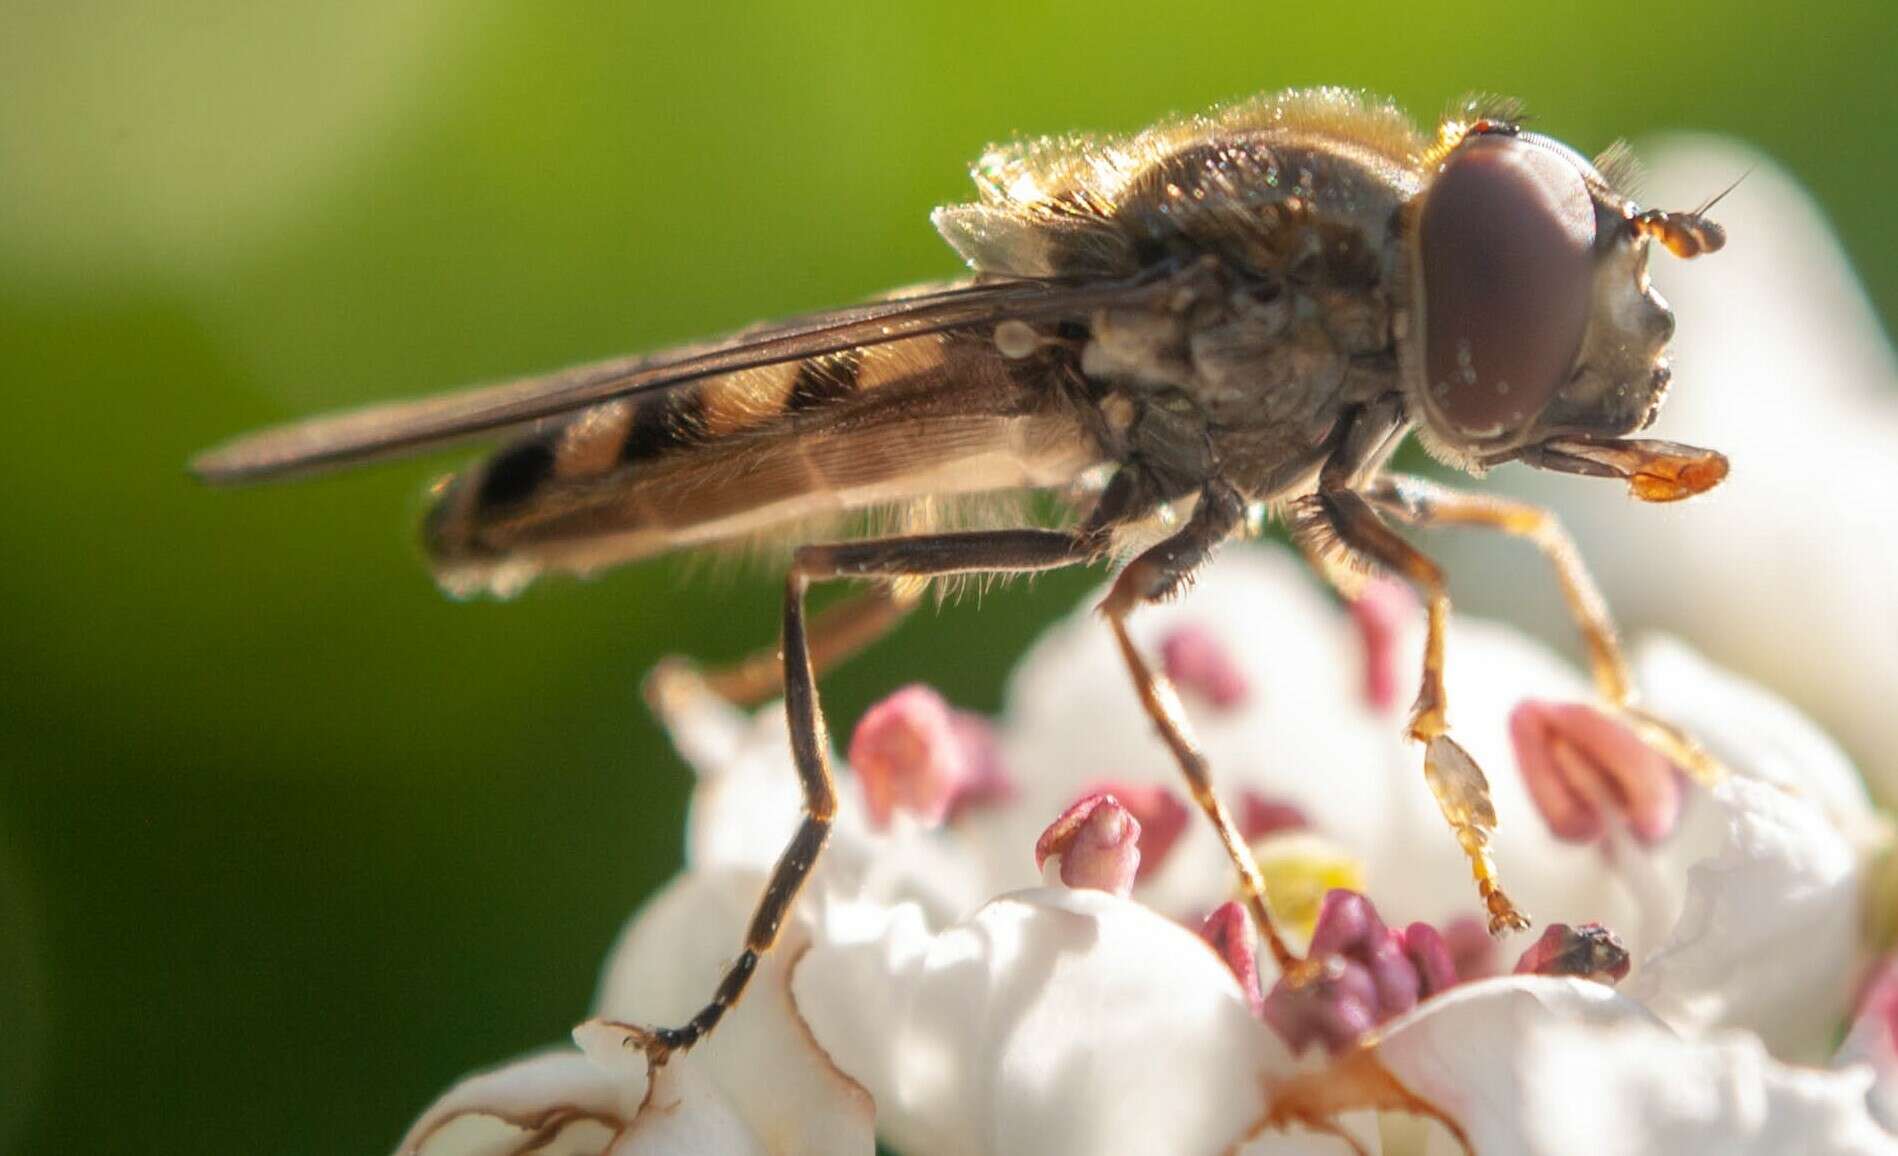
(1458, 783)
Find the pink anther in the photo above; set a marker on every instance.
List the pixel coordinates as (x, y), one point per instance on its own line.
(1097, 841)
(1581, 765)
(907, 755)
(1229, 930)
(1198, 663)
(1163, 818)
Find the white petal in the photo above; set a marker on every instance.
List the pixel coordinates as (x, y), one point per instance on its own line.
(707, 731)
(1361, 1128)
(1768, 930)
(1053, 1021)
(1882, 1098)
(942, 870)
(1463, 1051)
(762, 1058)
(684, 1116)
(748, 803)
(553, 1101)
(1755, 732)
(1644, 1092)
(1759, 888)
(1564, 1068)
(854, 990)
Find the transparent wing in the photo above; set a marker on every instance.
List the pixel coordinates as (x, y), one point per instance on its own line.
(395, 428)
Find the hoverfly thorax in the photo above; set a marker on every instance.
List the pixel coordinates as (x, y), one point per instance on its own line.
(1534, 325)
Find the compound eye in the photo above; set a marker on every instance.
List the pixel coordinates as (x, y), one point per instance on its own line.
(1505, 245)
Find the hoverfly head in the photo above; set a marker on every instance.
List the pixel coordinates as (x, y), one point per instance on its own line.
(1532, 315)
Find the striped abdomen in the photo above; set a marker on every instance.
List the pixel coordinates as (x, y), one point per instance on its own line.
(733, 457)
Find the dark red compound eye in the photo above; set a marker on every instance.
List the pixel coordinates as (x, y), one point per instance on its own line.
(1506, 248)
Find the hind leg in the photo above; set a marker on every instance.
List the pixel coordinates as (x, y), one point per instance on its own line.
(837, 634)
(923, 556)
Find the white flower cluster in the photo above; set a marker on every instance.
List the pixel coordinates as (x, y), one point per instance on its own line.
(935, 991)
(940, 990)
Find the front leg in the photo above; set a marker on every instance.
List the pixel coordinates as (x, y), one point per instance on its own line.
(1157, 574)
(1461, 790)
(1417, 502)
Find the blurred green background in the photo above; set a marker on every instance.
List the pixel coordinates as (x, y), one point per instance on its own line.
(287, 840)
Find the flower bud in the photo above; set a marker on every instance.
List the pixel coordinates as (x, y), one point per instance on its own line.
(1358, 974)
(986, 782)
(1347, 922)
(1333, 1005)
(1472, 948)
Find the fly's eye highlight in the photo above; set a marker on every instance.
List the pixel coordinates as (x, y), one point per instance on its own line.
(1505, 247)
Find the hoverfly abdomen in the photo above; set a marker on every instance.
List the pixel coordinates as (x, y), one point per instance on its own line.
(516, 474)
(737, 456)
(819, 382)
(642, 430)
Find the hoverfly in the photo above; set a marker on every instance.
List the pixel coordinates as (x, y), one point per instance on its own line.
(1241, 312)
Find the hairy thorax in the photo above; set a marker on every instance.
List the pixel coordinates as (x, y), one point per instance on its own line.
(1248, 372)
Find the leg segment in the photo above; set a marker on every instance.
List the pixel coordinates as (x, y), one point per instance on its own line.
(1457, 782)
(836, 634)
(923, 556)
(1361, 531)
(1153, 576)
(1421, 503)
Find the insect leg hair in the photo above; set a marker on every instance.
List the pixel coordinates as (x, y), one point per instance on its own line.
(921, 556)
(1153, 576)
(1457, 782)
(1421, 503)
